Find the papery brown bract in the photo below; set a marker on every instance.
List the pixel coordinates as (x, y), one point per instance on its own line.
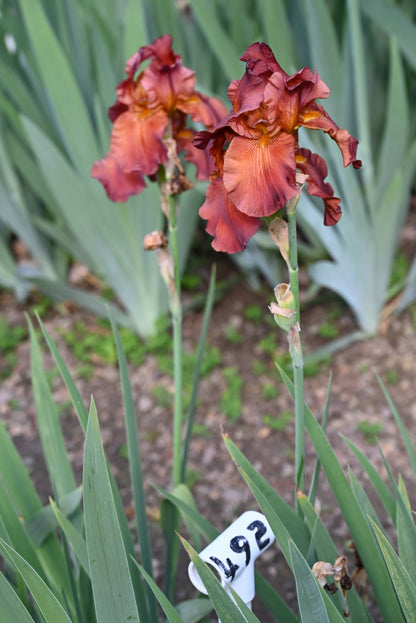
(152, 105)
(256, 151)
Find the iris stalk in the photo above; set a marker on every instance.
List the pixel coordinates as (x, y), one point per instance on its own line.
(173, 280)
(176, 312)
(296, 350)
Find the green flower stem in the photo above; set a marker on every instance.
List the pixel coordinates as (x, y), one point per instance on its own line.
(296, 353)
(176, 312)
(293, 257)
(170, 516)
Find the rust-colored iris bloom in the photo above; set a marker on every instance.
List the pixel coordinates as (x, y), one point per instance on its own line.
(152, 105)
(256, 152)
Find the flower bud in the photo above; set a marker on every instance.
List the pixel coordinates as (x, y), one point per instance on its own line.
(279, 233)
(285, 310)
(155, 240)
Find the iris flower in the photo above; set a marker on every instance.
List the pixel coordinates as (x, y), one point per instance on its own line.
(256, 151)
(153, 105)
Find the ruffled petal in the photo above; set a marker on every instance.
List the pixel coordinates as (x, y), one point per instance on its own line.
(282, 104)
(316, 117)
(231, 229)
(160, 51)
(308, 85)
(286, 96)
(165, 86)
(246, 94)
(129, 93)
(202, 138)
(136, 141)
(165, 81)
(118, 185)
(259, 175)
(251, 124)
(200, 158)
(203, 109)
(218, 139)
(116, 110)
(261, 59)
(314, 167)
(348, 146)
(333, 211)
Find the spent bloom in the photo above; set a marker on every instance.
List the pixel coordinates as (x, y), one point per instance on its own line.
(152, 107)
(256, 150)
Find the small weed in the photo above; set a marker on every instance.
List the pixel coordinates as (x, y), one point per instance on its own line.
(162, 396)
(108, 294)
(370, 430)
(123, 451)
(134, 349)
(270, 320)
(290, 455)
(192, 476)
(254, 313)
(85, 371)
(392, 377)
(284, 360)
(13, 404)
(51, 375)
(42, 306)
(212, 359)
(88, 345)
(313, 368)
(268, 345)
(259, 367)
(413, 312)
(64, 407)
(233, 335)
(161, 342)
(328, 330)
(191, 282)
(399, 270)
(104, 323)
(334, 313)
(10, 336)
(152, 434)
(201, 430)
(363, 367)
(269, 391)
(165, 364)
(278, 422)
(230, 401)
(7, 365)
(97, 343)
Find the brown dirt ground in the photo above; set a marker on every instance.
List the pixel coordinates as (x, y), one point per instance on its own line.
(219, 491)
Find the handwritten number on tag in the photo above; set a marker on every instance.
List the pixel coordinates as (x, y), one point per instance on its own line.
(240, 544)
(232, 567)
(261, 530)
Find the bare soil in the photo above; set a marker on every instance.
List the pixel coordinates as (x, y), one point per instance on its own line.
(219, 491)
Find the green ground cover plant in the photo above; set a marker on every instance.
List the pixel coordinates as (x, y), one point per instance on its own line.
(76, 559)
(10, 337)
(269, 391)
(231, 403)
(278, 422)
(370, 430)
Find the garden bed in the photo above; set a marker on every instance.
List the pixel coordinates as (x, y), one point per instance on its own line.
(241, 395)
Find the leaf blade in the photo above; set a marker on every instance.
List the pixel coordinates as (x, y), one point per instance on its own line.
(110, 576)
(46, 601)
